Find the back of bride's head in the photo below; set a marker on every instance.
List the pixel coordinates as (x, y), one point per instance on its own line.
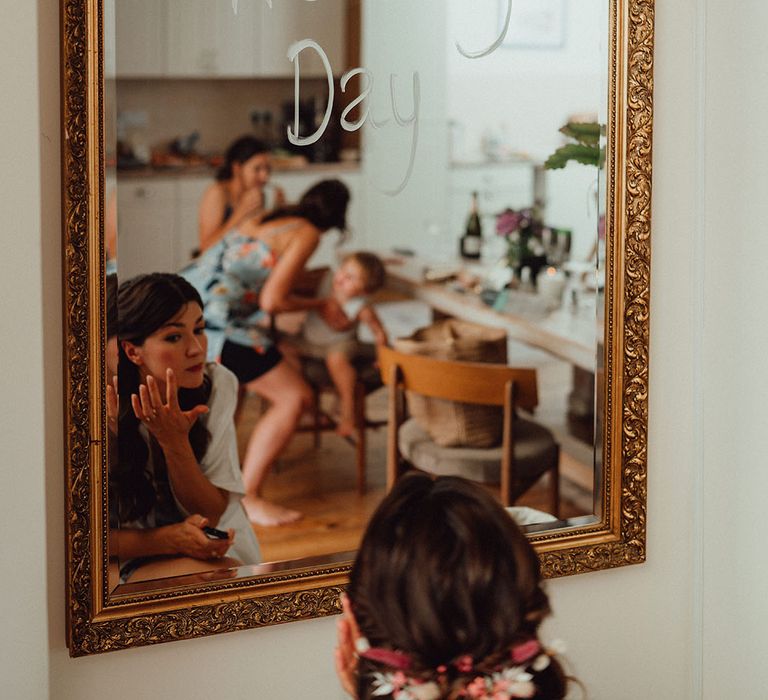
(446, 589)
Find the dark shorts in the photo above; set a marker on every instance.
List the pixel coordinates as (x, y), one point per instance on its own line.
(246, 363)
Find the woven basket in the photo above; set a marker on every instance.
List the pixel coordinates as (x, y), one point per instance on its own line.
(449, 423)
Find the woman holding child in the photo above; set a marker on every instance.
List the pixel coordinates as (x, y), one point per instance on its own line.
(245, 278)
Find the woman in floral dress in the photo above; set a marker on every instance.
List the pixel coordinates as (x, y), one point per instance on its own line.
(244, 279)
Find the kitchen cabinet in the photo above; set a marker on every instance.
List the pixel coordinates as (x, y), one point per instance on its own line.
(157, 222)
(201, 38)
(189, 190)
(146, 225)
(288, 22)
(207, 38)
(140, 38)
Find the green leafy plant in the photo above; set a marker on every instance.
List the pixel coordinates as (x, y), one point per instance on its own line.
(586, 148)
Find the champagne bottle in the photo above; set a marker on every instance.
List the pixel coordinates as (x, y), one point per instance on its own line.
(473, 234)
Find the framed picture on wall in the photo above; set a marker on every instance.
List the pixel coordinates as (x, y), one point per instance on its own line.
(535, 24)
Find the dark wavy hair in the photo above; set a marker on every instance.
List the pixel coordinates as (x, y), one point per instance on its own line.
(240, 151)
(444, 572)
(324, 205)
(144, 304)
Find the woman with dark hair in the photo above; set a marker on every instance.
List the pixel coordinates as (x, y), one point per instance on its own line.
(239, 192)
(177, 470)
(445, 601)
(244, 279)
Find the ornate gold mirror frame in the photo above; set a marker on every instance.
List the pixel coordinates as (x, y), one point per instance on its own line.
(99, 619)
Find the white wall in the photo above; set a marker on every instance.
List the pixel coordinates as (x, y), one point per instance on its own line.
(632, 632)
(401, 38)
(30, 345)
(523, 95)
(689, 623)
(534, 89)
(734, 376)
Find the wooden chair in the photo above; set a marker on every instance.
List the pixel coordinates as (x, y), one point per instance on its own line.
(528, 449)
(368, 380)
(316, 375)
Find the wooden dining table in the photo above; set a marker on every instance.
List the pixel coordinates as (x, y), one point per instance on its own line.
(569, 332)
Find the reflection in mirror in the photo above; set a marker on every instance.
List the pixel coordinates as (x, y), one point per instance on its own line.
(175, 484)
(426, 114)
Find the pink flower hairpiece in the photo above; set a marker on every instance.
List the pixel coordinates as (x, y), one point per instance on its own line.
(519, 653)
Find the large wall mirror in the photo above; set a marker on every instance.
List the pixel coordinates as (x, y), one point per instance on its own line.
(535, 115)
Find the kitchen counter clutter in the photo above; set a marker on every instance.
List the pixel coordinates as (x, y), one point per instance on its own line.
(293, 164)
(280, 166)
(568, 332)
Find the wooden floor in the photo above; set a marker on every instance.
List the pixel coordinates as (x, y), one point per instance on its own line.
(321, 484)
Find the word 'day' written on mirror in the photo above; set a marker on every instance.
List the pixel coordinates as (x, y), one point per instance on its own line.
(411, 120)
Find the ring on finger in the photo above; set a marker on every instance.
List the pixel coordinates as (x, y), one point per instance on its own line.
(147, 419)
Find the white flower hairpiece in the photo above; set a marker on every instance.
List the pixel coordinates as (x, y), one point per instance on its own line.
(401, 687)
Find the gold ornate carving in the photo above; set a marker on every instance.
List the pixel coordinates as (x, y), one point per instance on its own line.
(77, 240)
(203, 620)
(633, 19)
(99, 622)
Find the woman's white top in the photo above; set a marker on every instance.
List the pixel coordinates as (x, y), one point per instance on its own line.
(220, 465)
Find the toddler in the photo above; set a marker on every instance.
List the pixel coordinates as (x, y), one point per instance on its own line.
(348, 289)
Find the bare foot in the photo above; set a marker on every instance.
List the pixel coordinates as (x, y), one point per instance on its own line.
(262, 512)
(345, 428)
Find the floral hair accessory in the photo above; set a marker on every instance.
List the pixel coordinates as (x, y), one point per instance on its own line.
(506, 684)
(520, 653)
(512, 682)
(401, 687)
(362, 645)
(502, 683)
(540, 663)
(388, 657)
(557, 646)
(464, 663)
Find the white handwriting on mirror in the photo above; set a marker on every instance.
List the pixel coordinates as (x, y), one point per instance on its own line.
(411, 120)
(495, 45)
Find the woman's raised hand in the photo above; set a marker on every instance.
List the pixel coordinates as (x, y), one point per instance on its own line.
(165, 420)
(188, 538)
